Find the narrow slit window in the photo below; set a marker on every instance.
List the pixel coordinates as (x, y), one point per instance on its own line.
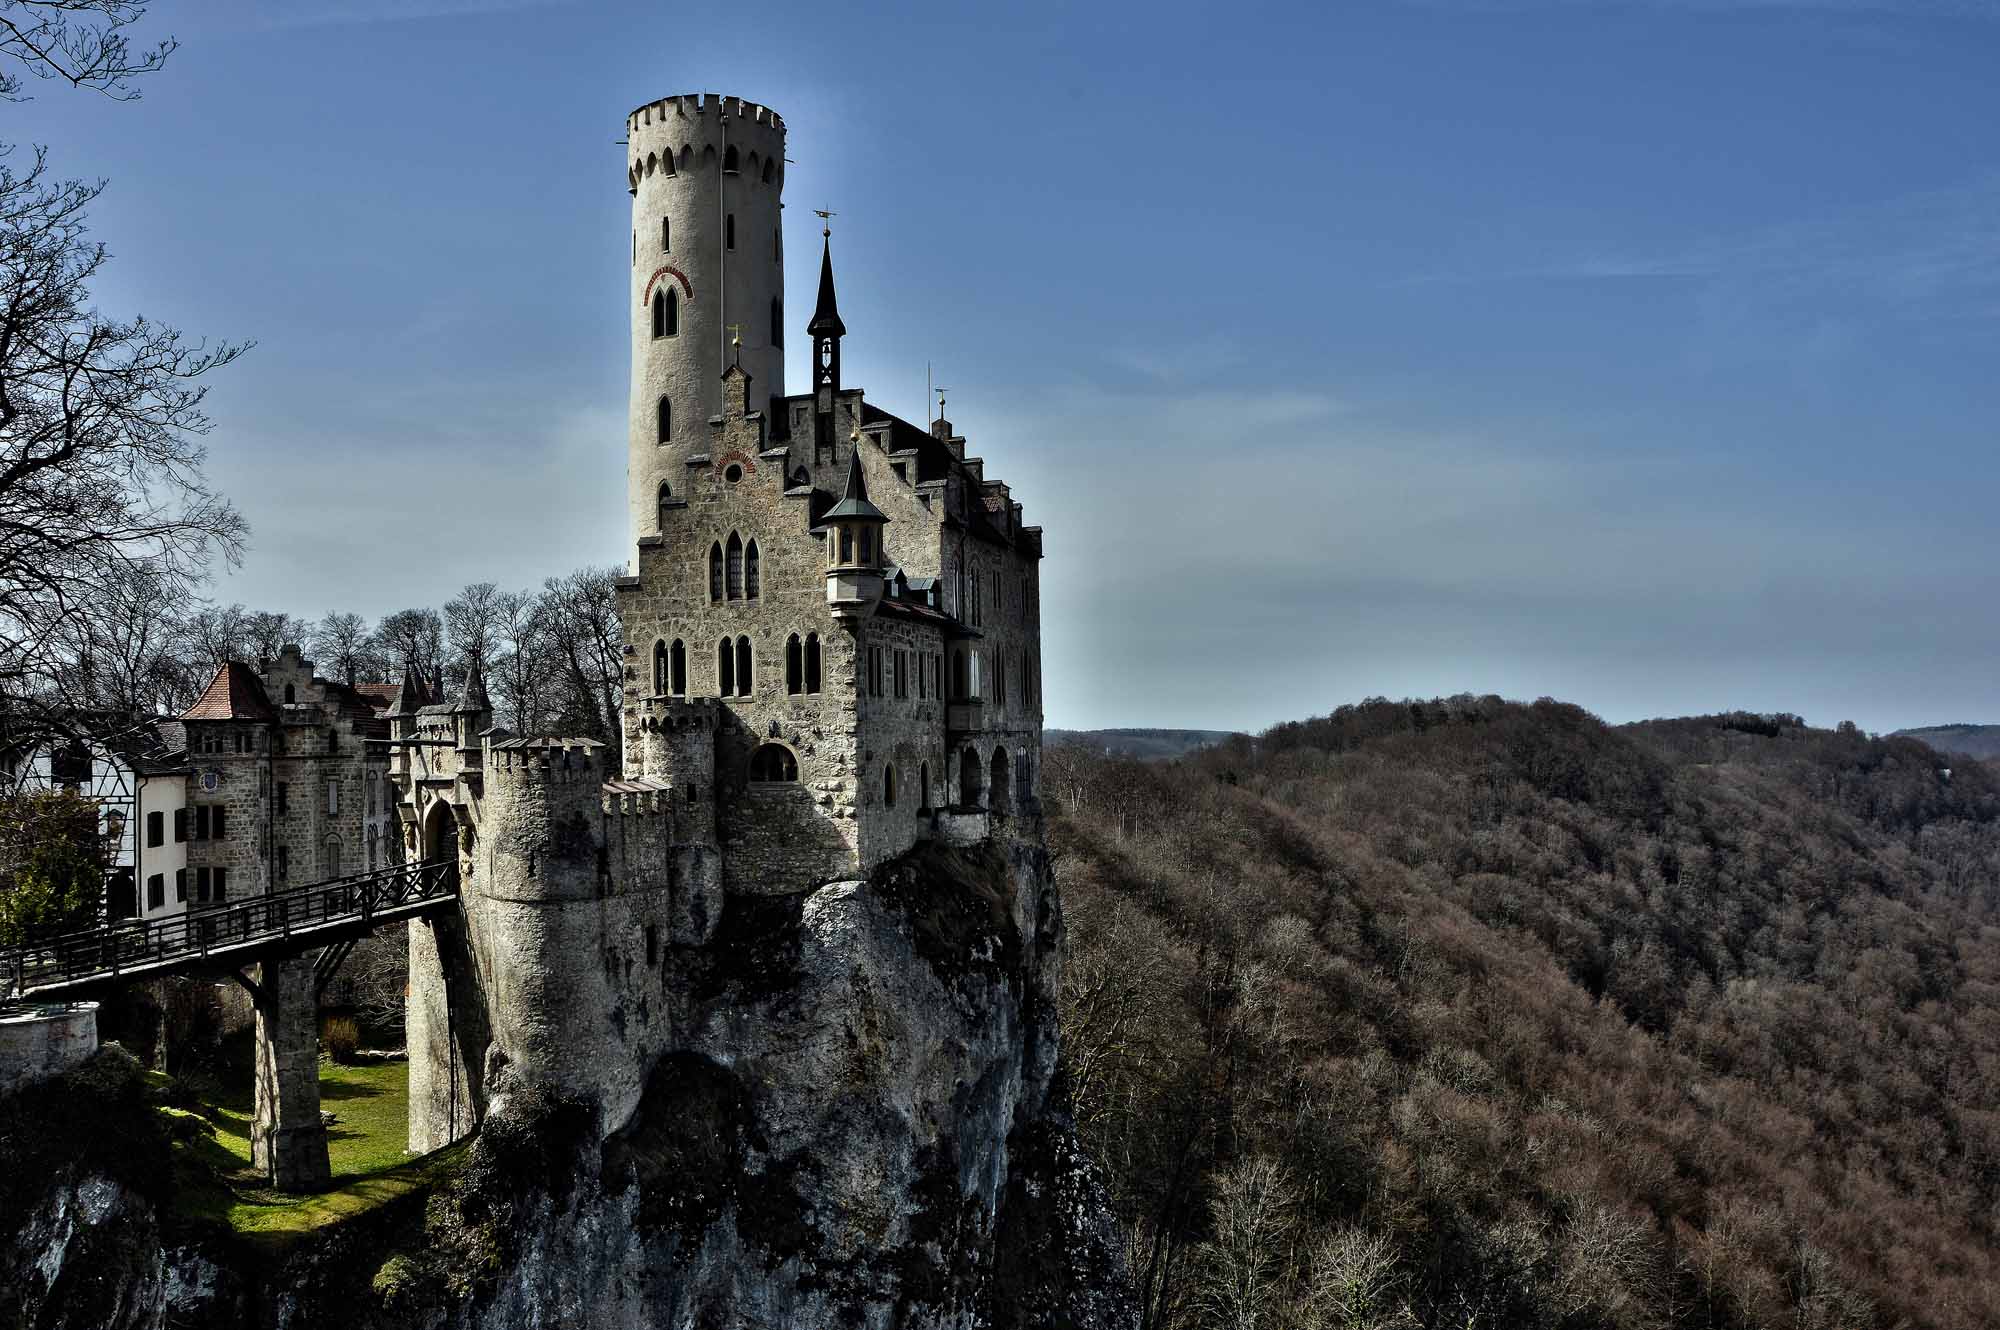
(777, 322)
(659, 668)
(752, 573)
(729, 231)
(743, 664)
(725, 668)
(794, 666)
(664, 422)
(735, 566)
(677, 660)
(666, 235)
(659, 313)
(715, 572)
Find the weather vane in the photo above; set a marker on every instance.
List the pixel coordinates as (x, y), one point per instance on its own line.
(824, 216)
(941, 390)
(736, 334)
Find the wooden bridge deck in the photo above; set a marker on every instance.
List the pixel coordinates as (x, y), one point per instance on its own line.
(290, 922)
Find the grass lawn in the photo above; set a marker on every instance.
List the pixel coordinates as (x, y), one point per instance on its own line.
(365, 1146)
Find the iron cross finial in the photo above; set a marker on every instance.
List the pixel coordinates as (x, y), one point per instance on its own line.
(736, 334)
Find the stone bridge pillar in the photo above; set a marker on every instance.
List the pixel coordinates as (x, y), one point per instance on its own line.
(287, 1139)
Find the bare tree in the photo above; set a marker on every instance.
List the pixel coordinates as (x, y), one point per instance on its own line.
(341, 645)
(412, 639)
(581, 614)
(472, 621)
(1242, 1272)
(520, 674)
(100, 471)
(81, 42)
(271, 630)
(132, 656)
(217, 633)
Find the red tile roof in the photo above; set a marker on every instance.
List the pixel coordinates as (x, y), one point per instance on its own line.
(235, 693)
(381, 696)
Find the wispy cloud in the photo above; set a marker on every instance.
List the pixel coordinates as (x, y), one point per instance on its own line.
(1932, 256)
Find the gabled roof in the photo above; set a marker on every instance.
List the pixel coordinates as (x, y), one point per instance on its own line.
(235, 693)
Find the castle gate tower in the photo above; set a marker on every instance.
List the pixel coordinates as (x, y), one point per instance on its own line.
(705, 173)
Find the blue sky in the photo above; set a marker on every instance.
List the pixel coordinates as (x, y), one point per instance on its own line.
(1638, 354)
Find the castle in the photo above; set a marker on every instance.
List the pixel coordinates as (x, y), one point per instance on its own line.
(832, 653)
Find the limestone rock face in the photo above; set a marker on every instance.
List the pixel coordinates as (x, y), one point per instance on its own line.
(859, 1127)
(857, 1121)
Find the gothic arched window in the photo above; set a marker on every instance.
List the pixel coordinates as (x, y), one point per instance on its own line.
(812, 662)
(715, 572)
(677, 669)
(752, 579)
(795, 670)
(664, 420)
(729, 159)
(725, 668)
(735, 548)
(659, 668)
(659, 313)
(743, 677)
(770, 164)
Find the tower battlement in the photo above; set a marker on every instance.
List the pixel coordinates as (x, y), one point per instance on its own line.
(547, 758)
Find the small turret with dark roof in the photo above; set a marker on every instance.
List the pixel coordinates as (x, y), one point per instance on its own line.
(854, 551)
(410, 693)
(471, 699)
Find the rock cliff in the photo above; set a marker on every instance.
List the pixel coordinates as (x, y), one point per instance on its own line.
(861, 1125)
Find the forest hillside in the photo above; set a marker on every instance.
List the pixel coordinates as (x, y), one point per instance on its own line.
(1965, 740)
(1471, 1013)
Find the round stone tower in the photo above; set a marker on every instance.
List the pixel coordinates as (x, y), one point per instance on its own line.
(705, 173)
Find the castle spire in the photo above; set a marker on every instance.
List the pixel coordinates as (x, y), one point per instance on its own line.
(826, 330)
(826, 314)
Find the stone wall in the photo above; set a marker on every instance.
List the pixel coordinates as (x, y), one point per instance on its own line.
(40, 1042)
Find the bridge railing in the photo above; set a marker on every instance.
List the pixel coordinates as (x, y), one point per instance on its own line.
(133, 944)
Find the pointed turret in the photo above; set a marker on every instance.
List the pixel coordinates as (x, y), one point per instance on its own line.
(410, 693)
(826, 314)
(854, 552)
(471, 699)
(826, 330)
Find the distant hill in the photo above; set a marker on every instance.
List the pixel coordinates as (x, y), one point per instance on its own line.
(1965, 740)
(1146, 745)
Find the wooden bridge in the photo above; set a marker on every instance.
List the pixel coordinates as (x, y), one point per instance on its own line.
(331, 916)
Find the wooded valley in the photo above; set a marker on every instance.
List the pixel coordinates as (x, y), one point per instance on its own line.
(1471, 1013)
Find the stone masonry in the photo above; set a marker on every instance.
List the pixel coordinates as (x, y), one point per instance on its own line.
(832, 655)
